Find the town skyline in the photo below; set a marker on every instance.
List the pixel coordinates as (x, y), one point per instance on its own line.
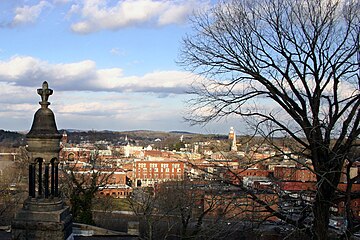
(112, 64)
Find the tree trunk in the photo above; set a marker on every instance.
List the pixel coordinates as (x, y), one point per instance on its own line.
(326, 186)
(321, 217)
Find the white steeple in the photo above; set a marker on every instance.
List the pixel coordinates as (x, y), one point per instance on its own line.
(232, 135)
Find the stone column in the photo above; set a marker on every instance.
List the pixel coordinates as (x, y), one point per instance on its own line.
(46, 180)
(53, 178)
(40, 178)
(31, 180)
(56, 179)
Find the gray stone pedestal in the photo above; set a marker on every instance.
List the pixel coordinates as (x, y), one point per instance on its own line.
(42, 219)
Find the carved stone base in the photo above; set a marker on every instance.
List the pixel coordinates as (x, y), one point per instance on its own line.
(41, 220)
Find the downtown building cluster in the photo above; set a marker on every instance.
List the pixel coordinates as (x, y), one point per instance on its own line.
(221, 176)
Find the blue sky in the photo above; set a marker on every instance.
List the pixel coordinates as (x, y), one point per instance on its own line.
(111, 64)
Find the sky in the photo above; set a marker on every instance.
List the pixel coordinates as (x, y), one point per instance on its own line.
(112, 64)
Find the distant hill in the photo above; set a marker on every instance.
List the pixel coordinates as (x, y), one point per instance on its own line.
(11, 139)
(139, 137)
(118, 137)
(181, 132)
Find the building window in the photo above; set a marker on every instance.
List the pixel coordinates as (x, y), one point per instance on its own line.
(71, 157)
(142, 165)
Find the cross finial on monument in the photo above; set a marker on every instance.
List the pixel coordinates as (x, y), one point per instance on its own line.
(44, 92)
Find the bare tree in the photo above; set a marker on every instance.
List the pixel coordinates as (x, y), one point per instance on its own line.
(353, 224)
(80, 186)
(13, 185)
(290, 65)
(143, 203)
(182, 210)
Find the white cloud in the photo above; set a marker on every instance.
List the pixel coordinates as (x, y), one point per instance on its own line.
(13, 94)
(92, 108)
(117, 52)
(115, 111)
(95, 15)
(87, 97)
(87, 109)
(29, 14)
(16, 67)
(85, 76)
(157, 82)
(176, 13)
(61, 1)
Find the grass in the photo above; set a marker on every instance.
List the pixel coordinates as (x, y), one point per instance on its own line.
(111, 204)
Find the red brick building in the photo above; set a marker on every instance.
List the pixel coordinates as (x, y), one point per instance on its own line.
(116, 185)
(354, 203)
(147, 173)
(233, 205)
(294, 174)
(75, 154)
(236, 175)
(157, 154)
(112, 181)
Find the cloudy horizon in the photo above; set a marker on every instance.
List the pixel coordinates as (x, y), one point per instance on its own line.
(111, 64)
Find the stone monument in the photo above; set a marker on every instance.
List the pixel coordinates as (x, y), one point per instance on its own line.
(44, 215)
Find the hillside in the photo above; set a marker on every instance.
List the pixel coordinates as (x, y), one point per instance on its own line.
(11, 139)
(141, 137)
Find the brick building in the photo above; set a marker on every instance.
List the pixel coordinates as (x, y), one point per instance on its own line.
(354, 203)
(240, 206)
(294, 174)
(147, 173)
(116, 185)
(75, 154)
(113, 181)
(236, 176)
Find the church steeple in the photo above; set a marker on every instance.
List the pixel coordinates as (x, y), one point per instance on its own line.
(64, 139)
(232, 136)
